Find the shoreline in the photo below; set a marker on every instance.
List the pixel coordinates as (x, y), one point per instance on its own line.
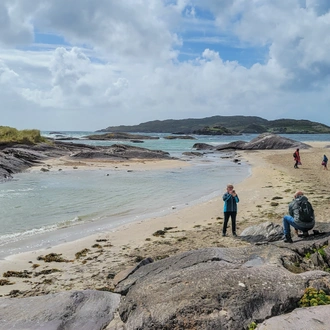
(66, 231)
(193, 227)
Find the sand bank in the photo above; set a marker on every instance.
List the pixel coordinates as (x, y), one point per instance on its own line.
(264, 196)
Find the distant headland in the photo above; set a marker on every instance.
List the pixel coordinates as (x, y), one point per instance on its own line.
(225, 125)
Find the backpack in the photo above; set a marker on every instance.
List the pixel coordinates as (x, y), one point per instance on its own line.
(294, 155)
(306, 212)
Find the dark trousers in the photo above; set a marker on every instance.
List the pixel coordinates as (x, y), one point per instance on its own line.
(228, 215)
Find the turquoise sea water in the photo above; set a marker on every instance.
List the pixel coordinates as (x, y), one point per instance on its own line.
(42, 209)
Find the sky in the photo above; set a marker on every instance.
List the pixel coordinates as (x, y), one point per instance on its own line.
(87, 64)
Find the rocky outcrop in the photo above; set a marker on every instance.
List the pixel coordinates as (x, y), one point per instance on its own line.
(221, 288)
(83, 310)
(264, 141)
(180, 137)
(192, 154)
(120, 136)
(210, 288)
(203, 146)
(121, 151)
(17, 158)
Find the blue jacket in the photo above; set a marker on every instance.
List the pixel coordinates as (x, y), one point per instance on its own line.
(230, 203)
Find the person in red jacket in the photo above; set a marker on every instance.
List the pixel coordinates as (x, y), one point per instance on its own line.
(296, 157)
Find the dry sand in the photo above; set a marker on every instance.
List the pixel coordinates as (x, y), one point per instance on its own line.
(264, 196)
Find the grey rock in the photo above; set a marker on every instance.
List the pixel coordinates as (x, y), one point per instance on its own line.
(203, 146)
(316, 318)
(17, 158)
(236, 145)
(192, 154)
(264, 232)
(137, 141)
(217, 288)
(121, 151)
(125, 273)
(179, 137)
(120, 136)
(264, 141)
(83, 310)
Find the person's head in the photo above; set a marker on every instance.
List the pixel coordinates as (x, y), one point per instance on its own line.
(297, 149)
(298, 194)
(230, 187)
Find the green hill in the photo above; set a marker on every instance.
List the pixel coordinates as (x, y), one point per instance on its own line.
(224, 125)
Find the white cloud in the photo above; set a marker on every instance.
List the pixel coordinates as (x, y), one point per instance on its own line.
(121, 62)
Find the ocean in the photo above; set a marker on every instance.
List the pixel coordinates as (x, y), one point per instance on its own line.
(43, 209)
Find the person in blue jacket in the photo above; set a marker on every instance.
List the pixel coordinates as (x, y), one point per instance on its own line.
(230, 209)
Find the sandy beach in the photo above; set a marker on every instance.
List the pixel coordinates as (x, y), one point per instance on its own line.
(92, 262)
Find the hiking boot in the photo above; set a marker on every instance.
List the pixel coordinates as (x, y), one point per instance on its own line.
(224, 234)
(305, 234)
(287, 239)
(234, 234)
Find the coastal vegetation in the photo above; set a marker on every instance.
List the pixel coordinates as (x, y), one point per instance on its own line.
(314, 297)
(26, 136)
(225, 125)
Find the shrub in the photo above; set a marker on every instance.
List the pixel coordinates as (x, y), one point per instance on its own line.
(314, 297)
(252, 326)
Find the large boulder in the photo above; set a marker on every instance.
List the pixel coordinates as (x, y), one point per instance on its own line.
(219, 288)
(264, 232)
(83, 310)
(264, 141)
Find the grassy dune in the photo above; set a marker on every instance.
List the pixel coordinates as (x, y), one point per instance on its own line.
(26, 136)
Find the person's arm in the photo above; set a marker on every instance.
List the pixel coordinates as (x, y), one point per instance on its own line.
(226, 197)
(291, 208)
(236, 198)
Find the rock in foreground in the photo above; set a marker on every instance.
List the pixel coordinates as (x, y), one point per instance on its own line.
(219, 288)
(313, 318)
(83, 310)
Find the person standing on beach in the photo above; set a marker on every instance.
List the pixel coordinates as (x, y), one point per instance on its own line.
(325, 162)
(230, 209)
(296, 157)
(301, 216)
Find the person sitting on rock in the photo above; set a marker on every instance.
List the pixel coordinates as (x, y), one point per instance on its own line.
(301, 216)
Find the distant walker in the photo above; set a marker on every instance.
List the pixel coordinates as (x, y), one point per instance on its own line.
(296, 157)
(325, 162)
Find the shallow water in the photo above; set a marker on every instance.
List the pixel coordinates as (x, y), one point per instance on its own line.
(41, 209)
